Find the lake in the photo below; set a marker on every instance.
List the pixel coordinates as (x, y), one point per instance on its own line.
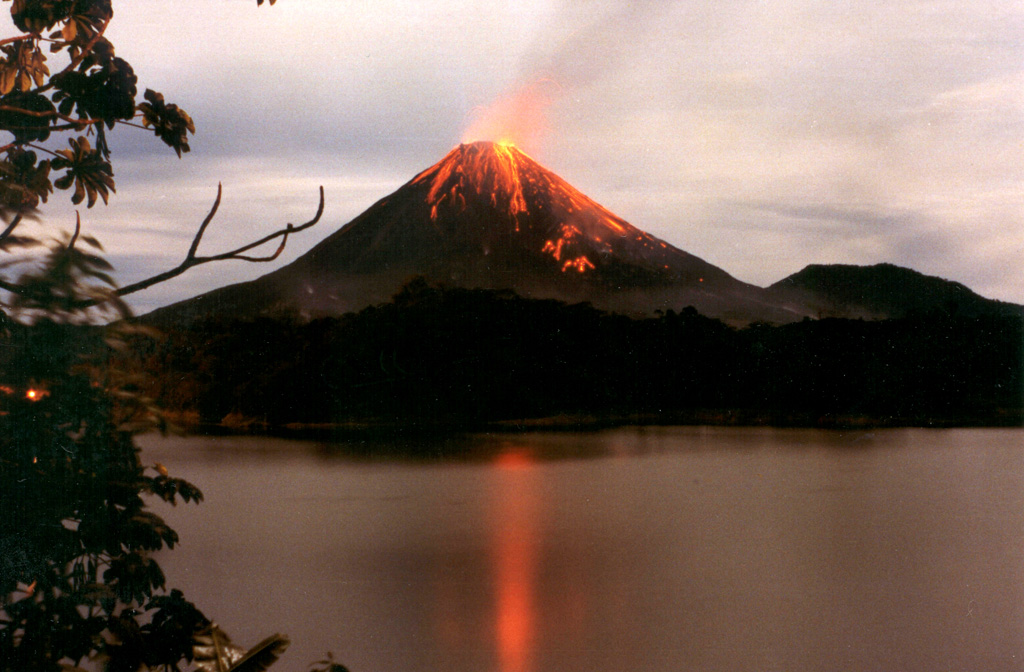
(650, 549)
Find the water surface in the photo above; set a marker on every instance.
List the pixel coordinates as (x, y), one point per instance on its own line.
(653, 549)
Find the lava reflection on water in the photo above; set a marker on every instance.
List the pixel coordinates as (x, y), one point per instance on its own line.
(515, 526)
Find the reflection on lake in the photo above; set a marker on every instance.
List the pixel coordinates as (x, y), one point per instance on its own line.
(640, 549)
(514, 534)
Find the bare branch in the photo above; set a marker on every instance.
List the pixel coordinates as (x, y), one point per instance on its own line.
(206, 222)
(190, 258)
(78, 230)
(280, 248)
(238, 253)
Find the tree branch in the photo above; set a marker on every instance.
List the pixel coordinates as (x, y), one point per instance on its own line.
(191, 259)
(206, 222)
(238, 253)
(78, 230)
(77, 60)
(18, 38)
(87, 48)
(80, 121)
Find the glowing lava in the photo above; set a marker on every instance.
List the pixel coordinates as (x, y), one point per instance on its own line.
(498, 184)
(555, 247)
(488, 170)
(581, 264)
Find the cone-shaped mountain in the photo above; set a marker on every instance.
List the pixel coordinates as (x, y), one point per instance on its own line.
(489, 216)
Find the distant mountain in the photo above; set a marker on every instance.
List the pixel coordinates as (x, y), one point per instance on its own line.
(881, 291)
(488, 216)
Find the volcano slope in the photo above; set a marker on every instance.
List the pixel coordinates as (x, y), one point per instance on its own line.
(488, 216)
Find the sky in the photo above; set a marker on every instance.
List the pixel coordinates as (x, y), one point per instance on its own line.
(760, 136)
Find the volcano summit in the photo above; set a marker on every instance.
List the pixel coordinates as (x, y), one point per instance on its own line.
(489, 216)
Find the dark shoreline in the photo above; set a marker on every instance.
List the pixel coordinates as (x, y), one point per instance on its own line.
(412, 428)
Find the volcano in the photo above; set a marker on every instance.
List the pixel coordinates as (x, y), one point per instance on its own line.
(489, 216)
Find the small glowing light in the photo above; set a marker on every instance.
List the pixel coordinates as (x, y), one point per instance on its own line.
(35, 394)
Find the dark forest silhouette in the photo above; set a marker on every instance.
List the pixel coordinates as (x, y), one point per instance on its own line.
(456, 356)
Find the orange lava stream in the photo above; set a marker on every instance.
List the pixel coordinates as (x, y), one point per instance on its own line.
(500, 176)
(510, 178)
(581, 264)
(569, 232)
(492, 171)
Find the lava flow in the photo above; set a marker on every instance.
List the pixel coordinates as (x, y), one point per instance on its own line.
(503, 185)
(487, 170)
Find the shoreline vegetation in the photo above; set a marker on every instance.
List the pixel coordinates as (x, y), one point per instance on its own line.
(238, 425)
(438, 360)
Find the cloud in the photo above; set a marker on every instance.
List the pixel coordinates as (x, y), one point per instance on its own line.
(761, 136)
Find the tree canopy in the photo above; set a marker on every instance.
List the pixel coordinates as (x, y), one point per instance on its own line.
(77, 578)
(61, 83)
(62, 90)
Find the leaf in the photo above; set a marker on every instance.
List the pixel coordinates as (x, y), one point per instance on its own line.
(260, 657)
(172, 628)
(213, 651)
(8, 77)
(28, 115)
(134, 576)
(86, 168)
(23, 182)
(37, 17)
(170, 123)
(105, 90)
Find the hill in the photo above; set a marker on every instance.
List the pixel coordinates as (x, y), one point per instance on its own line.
(881, 291)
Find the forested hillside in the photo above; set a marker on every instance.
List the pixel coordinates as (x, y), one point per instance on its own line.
(468, 356)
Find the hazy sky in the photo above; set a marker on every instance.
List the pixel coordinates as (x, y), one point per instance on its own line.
(759, 135)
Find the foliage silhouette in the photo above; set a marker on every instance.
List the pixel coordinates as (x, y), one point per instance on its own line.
(77, 578)
(463, 357)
